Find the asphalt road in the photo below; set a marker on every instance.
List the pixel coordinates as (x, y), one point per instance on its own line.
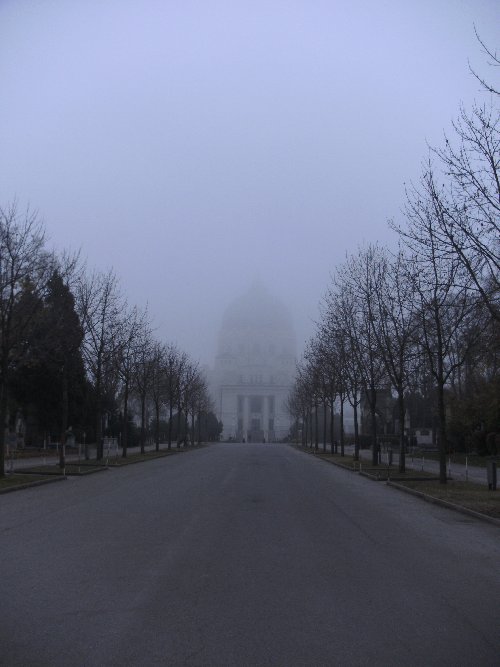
(243, 555)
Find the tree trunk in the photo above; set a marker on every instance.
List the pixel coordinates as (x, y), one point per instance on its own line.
(324, 426)
(316, 434)
(125, 422)
(402, 449)
(442, 439)
(443, 445)
(143, 423)
(332, 424)
(157, 425)
(179, 416)
(170, 417)
(98, 430)
(341, 425)
(373, 414)
(64, 419)
(3, 425)
(356, 430)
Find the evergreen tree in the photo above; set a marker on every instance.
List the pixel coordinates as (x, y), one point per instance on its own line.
(49, 381)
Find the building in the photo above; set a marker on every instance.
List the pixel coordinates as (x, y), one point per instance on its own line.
(254, 368)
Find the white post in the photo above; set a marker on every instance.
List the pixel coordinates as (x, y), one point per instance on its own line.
(265, 418)
(246, 416)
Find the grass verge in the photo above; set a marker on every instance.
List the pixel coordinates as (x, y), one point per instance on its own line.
(42, 474)
(458, 457)
(16, 481)
(475, 497)
(139, 458)
(55, 470)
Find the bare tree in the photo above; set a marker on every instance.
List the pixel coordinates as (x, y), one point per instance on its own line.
(444, 287)
(157, 384)
(494, 61)
(144, 372)
(332, 341)
(395, 312)
(326, 379)
(314, 385)
(173, 366)
(337, 329)
(468, 224)
(295, 408)
(131, 326)
(196, 399)
(100, 306)
(188, 385)
(300, 402)
(357, 280)
(469, 221)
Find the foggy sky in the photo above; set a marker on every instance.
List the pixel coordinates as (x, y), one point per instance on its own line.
(197, 146)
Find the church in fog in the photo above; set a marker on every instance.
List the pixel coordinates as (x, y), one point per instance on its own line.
(254, 368)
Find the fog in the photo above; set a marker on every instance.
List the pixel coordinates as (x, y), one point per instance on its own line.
(198, 146)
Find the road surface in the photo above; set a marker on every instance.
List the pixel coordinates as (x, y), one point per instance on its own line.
(241, 554)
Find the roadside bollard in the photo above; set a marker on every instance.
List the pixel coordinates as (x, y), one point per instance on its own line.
(491, 467)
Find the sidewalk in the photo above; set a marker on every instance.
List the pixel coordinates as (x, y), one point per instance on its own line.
(51, 457)
(455, 470)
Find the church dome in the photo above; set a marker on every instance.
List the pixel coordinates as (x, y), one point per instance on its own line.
(257, 323)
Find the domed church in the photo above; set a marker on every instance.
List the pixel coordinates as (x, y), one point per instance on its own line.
(254, 368)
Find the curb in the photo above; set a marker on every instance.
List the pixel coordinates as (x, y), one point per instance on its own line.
(90, 470)
(445, 503)
(87, 471)
(28, 485)
(129, 462)
(52, 477)
(120, 462)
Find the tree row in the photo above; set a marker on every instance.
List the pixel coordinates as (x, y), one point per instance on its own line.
(410, 335)
(76, 360)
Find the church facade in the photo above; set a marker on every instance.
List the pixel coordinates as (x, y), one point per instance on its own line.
(254, 368)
